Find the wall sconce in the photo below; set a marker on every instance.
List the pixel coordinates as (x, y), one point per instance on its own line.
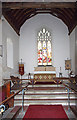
(1, 50)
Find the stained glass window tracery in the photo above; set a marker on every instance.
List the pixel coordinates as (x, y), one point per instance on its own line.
(44, 47)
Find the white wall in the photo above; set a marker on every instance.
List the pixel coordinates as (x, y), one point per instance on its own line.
(8, 32)
(76, 50)
(28, 41)
(72, 50)
(0, 56)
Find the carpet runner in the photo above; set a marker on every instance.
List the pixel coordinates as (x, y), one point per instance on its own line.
(54, 112)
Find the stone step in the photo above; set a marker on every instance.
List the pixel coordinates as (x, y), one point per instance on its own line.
(48, 85)
(42, 93)
(41, 99)
(58, 91)
(50, 102)
(22, 113)
(42, 96)
(12, 113)
(45, 94)
(46, 88)
(74, 109)
(44, 101)
(6, 112)
(46, 91)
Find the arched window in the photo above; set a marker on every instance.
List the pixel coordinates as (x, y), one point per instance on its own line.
(9, 53)
(44, 47)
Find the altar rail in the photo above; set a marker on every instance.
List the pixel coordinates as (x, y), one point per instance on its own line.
(56, 79)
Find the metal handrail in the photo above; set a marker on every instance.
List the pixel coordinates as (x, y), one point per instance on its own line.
(2, 106)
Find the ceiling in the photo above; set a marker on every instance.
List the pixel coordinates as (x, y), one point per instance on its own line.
(38, 0)
(17, 13)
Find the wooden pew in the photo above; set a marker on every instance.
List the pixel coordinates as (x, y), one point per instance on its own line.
(5, 101)
(5, 92)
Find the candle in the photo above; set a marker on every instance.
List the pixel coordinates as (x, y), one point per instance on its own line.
(60, 69)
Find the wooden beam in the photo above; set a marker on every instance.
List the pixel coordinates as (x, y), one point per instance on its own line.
(74, 21)
(31, 16)
(27, 17)
(59, 14)
(72, 28)
(71, 11)
(22, 5)
(67, 13)
(10, 22)
(64, 17)
(25, 13)
(20, 14)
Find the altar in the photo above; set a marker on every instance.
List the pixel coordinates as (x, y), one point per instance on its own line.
(44, 74)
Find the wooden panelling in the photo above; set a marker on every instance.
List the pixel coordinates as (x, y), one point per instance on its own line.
(6, 89)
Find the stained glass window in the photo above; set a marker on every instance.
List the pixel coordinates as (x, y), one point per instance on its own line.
(44, 47)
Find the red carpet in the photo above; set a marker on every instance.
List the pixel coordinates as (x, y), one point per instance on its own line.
(55, 112)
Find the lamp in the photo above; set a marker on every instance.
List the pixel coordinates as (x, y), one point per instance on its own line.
(1, 50)
(60, 73)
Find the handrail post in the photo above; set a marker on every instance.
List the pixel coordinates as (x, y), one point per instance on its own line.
(22, 99)
(68, 90)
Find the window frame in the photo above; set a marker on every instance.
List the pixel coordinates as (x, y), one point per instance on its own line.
(46, 40)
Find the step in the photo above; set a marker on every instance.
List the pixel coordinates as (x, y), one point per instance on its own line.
(45, 99)
(30, 93)
(13, 113)
(6, 112)
(46, 91)
(45, 96)
(22, 113)
(46, 85)
(45, 88)
(48, 102)
(74, 109)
